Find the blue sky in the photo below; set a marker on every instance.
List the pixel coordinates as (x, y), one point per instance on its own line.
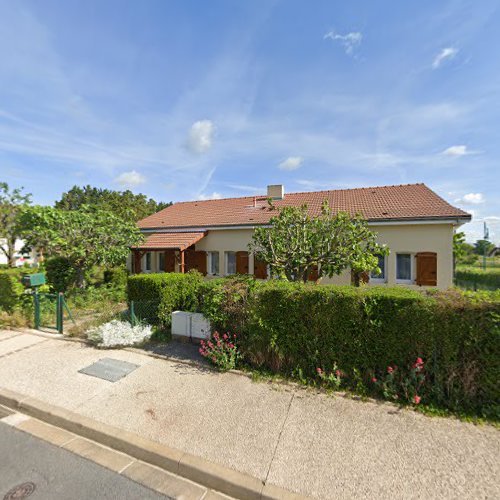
(189, 99)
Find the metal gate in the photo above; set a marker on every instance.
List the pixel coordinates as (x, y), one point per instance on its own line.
(49, 311)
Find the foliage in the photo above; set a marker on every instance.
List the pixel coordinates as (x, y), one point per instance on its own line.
(10, 291)
(333, 379)
(118, 334)
(124, 204)
(463, 252)
(483, 247)
(403, 385)
(295, 244)
(473, 277)
(87, 237)
(61, 275)
(116, 276)
(11, 204)
(221, 351)
(165, 292)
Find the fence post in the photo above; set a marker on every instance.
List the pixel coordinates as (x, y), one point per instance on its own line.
(59, 312)
(132, 313)
(36, 303)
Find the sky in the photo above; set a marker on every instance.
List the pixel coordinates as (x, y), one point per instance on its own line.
(184, 99)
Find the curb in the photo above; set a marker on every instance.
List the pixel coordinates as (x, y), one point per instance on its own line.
(231, 482)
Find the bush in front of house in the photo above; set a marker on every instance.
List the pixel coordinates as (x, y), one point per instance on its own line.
(119, 334)
(157, 295)
(11, 290)
(116, 277)
(61, 274)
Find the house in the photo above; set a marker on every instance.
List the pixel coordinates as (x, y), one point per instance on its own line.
(212, 236)
(21, 257)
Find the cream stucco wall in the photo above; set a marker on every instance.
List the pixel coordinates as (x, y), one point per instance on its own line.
(411, 238)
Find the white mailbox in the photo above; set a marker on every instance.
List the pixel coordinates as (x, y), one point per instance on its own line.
(190, 325)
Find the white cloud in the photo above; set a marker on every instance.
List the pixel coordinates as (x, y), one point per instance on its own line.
(444, 54)
(459, 150)
(213, 196)
(291, 163)
(201, 136)
(130, 179)
(471, 199)
(349, 41)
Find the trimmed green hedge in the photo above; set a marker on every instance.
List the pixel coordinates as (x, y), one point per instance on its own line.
(10, 290)
(475, 278)
(294, 328)
(156, 295)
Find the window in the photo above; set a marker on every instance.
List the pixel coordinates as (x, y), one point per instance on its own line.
(230, 262)
(379, 277)
(404, 271)
(148, 261)
(213, 263)
(161, 263)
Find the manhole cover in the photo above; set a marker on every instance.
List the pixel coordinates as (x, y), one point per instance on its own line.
(20, 491)
(109, 369)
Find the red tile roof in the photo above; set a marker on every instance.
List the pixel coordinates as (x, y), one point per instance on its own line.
(178, 240)
(404, 202)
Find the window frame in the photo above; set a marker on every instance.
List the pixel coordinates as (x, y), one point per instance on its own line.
(410, 281)
(226, 263)
(161, 257)
(210, 260)
(150, 255)
(378, 279)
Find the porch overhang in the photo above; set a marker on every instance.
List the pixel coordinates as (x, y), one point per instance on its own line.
(170, 241)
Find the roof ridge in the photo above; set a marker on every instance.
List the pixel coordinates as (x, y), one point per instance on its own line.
(251, 197)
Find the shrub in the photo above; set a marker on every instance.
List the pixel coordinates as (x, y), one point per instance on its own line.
(61, 274)
(221, 351)
(119, 333)
(116, 276)
(163, 293)
(10, 290)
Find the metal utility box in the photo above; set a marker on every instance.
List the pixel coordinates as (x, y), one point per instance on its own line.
(190, 325)
(33, 280)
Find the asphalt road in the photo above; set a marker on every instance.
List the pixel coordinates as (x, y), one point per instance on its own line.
(58, 474)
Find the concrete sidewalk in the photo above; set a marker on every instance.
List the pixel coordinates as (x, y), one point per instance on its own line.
(314, 444)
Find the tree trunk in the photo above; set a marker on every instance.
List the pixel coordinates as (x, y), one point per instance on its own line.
(11, 251)
(80, 277)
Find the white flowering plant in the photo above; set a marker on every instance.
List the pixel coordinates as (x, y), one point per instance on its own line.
(119, 334)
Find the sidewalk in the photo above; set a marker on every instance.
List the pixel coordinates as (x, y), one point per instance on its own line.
(314, 444)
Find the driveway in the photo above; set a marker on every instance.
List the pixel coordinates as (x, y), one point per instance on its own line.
(312, 443)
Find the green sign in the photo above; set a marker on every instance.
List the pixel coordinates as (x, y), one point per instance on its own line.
(33, 280)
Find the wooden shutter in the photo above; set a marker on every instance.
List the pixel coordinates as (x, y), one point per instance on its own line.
(169, 261)
(196, 260)
(201, 261)
(137, 261)
(260, 269)
(363, 276)
(313, 274)
(426, 268)
(241, 262)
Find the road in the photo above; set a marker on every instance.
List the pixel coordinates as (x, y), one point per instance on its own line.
(58, 474)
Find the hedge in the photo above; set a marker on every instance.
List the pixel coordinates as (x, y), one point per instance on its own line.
(116, 276)
(294, 328)
(10, 290)
(470, 277)
(61, 274)
(156, 295)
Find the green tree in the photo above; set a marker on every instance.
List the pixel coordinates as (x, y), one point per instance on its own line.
(463, 252)
(124, 204)
(483, 247)
(295, 244)
(86, 237)
(12, 203)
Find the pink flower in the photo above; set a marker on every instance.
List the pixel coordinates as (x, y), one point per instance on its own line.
(319, 371)
(210, 344)
(417, 399)
(374, 380)
(216, 335)
(225, 336)
(338, 373)
(390, 369)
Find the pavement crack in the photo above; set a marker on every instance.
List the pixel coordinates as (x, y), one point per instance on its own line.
(279, 436)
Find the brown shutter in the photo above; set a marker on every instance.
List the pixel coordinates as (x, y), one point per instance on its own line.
(201, 262)
(169, 261)
(362, 276)
(260, 269)
(137, 261)
(196, 260)
(313, 274)
(241, 262)
(426, 269)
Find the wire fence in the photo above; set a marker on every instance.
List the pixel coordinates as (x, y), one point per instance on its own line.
(474, 285)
